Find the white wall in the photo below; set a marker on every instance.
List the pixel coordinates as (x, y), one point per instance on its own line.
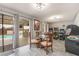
(43, 28)
(61, 23)
(76, 22)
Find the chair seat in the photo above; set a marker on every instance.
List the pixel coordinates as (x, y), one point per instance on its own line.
(35, 41)
(45, 43)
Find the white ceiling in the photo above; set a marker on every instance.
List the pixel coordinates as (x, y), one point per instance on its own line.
(68, 11)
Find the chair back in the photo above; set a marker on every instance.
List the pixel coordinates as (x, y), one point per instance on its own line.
(49, 36)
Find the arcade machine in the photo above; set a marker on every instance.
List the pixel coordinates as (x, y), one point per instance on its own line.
(72, 39)
(62, 34)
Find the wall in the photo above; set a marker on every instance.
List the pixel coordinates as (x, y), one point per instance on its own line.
(60, 24)
(43, 28)
(76, 22)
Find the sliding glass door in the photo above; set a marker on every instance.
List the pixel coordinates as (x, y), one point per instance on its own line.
(1, 45)
(6, 32)
(23, 32)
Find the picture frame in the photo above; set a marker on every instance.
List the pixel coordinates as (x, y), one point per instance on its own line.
(36, 24)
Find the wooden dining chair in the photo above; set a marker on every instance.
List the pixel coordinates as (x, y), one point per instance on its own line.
(48, 42)
(36, 40)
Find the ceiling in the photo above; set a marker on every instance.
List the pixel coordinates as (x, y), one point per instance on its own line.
(67, 10)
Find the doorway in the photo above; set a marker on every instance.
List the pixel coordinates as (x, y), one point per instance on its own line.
(23, 32)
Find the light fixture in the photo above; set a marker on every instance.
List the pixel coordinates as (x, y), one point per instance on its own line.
(39, 6)
(56, 17)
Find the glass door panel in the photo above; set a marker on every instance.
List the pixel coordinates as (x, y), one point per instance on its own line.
(8, 32)
(23, 32)
(1, 46)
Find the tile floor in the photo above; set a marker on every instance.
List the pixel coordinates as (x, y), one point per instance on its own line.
(58, 50)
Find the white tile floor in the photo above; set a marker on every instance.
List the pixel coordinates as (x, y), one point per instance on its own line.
(58, 50)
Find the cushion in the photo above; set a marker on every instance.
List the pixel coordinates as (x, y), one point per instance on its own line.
(45, 43)
(35, 41)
